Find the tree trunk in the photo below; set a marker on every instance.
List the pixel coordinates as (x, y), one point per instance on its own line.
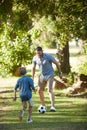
(63, 56)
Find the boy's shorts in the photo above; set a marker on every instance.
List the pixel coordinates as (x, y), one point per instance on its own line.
(26, 99)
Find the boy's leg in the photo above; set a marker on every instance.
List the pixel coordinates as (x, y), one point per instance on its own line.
(30, 112)
(24, 106)
(29, 120)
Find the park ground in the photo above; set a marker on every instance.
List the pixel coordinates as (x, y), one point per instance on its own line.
(71, 112)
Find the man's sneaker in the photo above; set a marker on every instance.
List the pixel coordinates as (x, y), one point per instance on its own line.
(53, 109)
(29, 121)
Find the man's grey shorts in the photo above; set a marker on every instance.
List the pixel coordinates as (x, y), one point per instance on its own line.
(43, 80)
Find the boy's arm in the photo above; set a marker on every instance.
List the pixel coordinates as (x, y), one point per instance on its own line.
(15, 90)
(32, 85)
(15, 95)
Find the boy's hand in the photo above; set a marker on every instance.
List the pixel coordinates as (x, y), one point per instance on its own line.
(14, 99)
(35, 91)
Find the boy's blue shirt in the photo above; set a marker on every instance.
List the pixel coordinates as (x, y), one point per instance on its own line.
(25, 84)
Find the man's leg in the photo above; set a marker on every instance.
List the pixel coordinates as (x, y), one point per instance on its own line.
(41, 84)
(41, 95)
(51, 93)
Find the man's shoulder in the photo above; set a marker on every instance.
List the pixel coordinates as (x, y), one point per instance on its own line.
(35, 57)
(47, 55)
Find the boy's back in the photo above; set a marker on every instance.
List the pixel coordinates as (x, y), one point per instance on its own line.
(25, 85)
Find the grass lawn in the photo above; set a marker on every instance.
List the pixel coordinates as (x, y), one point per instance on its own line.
(71, 112)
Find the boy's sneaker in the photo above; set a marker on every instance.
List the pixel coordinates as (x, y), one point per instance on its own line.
(20, 118)
(53, 109)
(21, 115)
(29, 121)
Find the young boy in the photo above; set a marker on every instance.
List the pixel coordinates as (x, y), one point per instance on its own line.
(25, 84)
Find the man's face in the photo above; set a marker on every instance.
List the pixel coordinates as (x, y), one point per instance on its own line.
(39, 53)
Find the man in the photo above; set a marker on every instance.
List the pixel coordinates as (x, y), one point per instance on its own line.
(44, 61)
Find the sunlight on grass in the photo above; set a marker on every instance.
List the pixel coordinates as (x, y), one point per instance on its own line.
(69, 110)
(71, 113)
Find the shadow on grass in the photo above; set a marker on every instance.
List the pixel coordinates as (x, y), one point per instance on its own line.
(34, 126)
(6, 91)
(71, 114)
(60, 120)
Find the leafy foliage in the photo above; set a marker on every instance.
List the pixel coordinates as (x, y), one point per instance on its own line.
(14, 53)
(82, 67)
(85, 48)
(23, 22)
(44, 31)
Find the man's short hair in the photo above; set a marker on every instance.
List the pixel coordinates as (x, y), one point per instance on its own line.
(22, 70)
(39, 48)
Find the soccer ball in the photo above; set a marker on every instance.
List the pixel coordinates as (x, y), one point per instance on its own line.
(42, 109)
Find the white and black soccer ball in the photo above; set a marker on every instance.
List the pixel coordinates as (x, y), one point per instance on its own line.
(42, 109)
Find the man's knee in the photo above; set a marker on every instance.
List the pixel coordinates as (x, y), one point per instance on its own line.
(50, 91)
(39, 90)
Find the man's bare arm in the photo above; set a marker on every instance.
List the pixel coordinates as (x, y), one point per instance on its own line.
(58, 68)
(33, 70)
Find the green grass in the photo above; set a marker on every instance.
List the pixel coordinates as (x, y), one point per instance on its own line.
(71, 113)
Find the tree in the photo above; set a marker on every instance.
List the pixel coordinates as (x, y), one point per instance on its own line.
(15, 42)
(14, 53)
(65, 18)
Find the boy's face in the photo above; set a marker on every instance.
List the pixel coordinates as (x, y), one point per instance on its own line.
(39, 53)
